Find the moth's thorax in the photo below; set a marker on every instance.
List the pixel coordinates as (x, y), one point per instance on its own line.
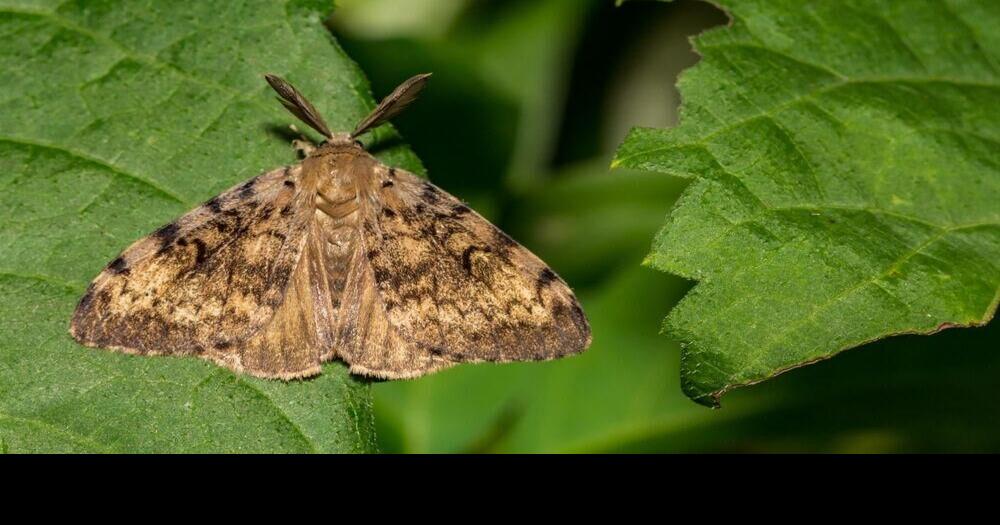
(339, 157)
(338, 169)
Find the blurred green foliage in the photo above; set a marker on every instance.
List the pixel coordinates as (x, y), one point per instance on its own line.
(528, 102)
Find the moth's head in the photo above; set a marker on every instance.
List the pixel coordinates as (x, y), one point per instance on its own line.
(390, 106)
(337, 144)
(341, 139)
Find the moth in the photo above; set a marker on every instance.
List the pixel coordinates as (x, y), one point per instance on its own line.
(336, 257)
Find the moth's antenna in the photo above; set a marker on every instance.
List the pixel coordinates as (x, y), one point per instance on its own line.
(297, 104)
(391, 105)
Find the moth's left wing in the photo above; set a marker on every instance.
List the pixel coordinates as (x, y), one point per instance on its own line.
(226, 282)
(457, 289)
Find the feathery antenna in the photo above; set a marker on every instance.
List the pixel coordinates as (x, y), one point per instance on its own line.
(297, 104)
(393, 104)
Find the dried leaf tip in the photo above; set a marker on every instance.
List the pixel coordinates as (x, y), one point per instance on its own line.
(298, 105)
(393, 104)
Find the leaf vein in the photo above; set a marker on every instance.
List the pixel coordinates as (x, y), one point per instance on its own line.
(93, 160)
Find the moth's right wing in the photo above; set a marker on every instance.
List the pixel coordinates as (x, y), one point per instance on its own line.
(210, 283)
(436, 284)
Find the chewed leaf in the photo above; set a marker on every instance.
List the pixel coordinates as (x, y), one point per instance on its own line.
(845, 182)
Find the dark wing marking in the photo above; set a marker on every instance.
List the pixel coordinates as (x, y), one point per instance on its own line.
(456, 288)
(206, 283)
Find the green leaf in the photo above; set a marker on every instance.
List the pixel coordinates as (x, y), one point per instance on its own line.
(115, 117)
(845, 182)
(623, 393)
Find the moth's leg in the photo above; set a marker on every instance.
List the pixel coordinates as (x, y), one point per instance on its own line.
(302, 145)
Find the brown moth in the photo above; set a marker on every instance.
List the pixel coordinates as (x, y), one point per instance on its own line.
(336, 257)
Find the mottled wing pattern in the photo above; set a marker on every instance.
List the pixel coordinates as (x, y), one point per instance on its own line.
(454, 288)
(340, 257)
(211, 283)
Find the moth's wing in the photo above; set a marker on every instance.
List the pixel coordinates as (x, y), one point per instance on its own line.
(453, 287)
(222, 282)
